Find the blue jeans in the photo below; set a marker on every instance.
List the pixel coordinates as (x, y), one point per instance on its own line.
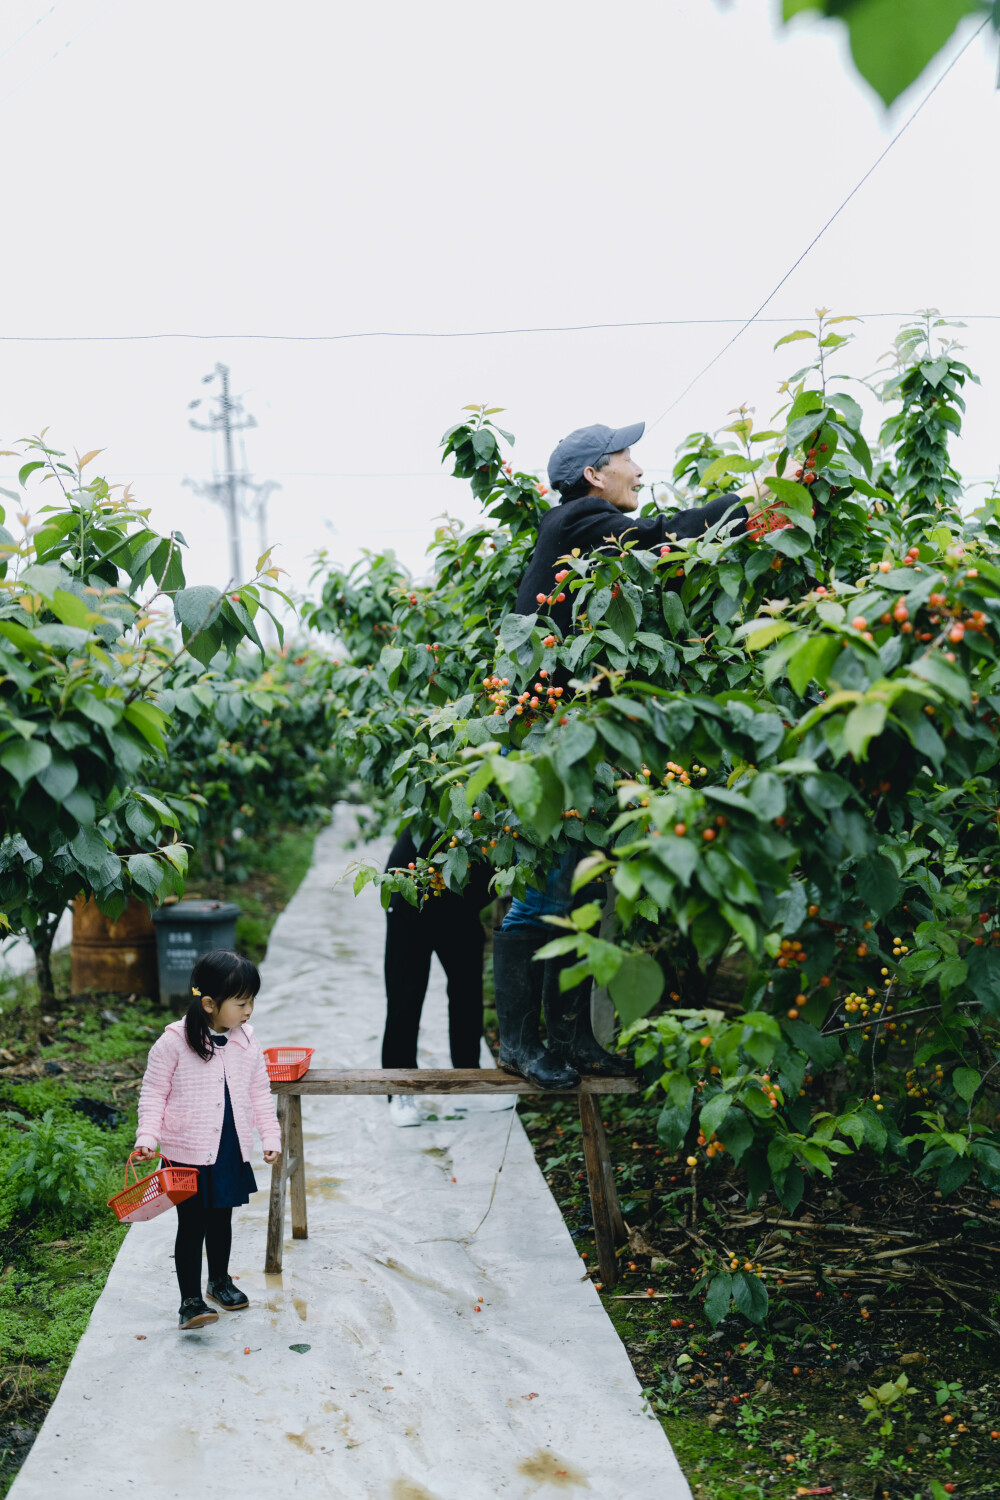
(554, 901)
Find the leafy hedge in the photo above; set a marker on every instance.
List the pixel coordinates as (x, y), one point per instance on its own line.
(780, 748)
(250, 750)
(128, 715)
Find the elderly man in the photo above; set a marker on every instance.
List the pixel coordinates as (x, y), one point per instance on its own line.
(598, 483)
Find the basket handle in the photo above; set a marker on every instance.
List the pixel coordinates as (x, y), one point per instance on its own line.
(131, 1163)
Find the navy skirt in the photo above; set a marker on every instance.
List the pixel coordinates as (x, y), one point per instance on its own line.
(229, 1182)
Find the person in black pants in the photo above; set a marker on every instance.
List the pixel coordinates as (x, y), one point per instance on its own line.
(448, 925)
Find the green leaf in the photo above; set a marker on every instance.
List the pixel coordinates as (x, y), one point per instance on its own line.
(163, 812)
(965, 1082)
(876, 1134)
(750, 1296)
(24, 759)
(800, 333)
(760, 633)
(863, 724)
(636, 987)
(984, 978)
(824, 1051)
(59, 777)
(27, 469)
(718, 1298)
(878, 887)
(390, 660)
(892, 41)
(515, 630)
(729, 463)
(150, 722)
(812, 662)
(944, 676)
(521, 785)
(61, 637)
(89, 848)
(80, 805)
(795, 497)
(146, 872)
(673, 1124)
(756, 1103)
(194, 607)
(454, 867)
(736, 1134)
(72, 610)
(713, 1114)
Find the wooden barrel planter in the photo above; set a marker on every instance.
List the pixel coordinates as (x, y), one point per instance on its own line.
(117, 957)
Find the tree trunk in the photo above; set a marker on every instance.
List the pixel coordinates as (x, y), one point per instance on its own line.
(41, 941)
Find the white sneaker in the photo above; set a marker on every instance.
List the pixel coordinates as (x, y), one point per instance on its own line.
(403, 1111)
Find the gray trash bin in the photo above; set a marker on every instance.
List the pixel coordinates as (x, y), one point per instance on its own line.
(184, 931)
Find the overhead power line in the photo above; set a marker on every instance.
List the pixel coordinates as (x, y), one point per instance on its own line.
(464, 333)
(28, 30)
(57, 53)
(755, 316)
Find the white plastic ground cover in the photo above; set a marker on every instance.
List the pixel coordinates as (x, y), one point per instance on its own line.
(371, 1375)
(17, 955)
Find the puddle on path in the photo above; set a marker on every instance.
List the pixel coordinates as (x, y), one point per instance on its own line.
(300, 1441)
(545, 1468)
(441, 1157)
(324, 1187)
(301, 1307)
(405, 1489)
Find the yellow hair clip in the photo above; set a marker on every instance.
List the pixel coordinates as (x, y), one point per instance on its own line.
(196, 993)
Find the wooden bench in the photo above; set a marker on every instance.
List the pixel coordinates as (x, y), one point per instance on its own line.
(289, 1171)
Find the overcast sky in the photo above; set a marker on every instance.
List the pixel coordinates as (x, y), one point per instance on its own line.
(227, 166)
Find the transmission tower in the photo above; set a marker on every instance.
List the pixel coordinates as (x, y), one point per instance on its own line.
(229, 487)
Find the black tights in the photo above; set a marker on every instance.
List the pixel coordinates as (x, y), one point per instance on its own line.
(198, 1226)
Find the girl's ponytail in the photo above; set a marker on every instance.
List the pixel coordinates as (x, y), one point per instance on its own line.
(196, 1029)
(219, 975)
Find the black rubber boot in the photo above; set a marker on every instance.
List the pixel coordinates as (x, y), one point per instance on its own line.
(569, 1028)
(517, 983)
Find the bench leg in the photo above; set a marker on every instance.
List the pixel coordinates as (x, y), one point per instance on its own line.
(276, 1208)
(297, 1179)
(609, 1226)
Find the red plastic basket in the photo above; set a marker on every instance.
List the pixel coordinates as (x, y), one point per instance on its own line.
(285, 1064)
(769, 518)
(148, 1196)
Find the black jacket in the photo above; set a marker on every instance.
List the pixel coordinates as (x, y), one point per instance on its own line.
(589, 523)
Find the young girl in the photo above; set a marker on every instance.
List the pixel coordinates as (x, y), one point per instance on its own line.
(204, 1090)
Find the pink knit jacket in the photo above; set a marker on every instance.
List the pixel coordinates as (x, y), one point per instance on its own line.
(182, 1100)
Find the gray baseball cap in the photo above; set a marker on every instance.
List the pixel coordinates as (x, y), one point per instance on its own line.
(585, 446)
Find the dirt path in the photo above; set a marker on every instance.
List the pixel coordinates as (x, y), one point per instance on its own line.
(398, 1389)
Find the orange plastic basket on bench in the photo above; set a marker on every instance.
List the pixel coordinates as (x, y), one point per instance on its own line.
(148, 1196)
(285, 1064)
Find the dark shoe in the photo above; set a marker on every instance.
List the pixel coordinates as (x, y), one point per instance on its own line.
(227, 1295)
(517, 983)
(569, 1028)
(194, 1313)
